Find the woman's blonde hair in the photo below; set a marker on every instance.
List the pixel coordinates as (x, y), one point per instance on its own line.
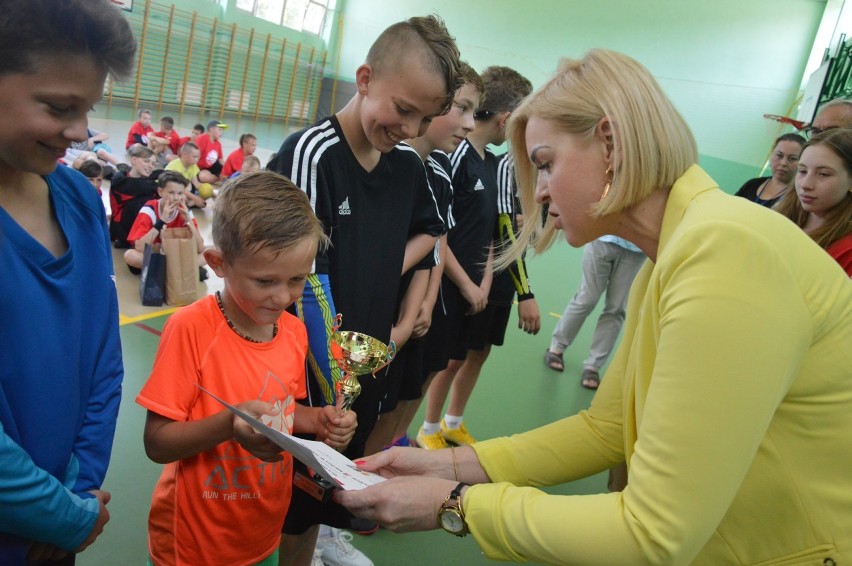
(653, 146)
(838, 220)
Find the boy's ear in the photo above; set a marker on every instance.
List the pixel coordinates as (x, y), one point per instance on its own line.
(502, 119)
(363, 76)
(215, 260)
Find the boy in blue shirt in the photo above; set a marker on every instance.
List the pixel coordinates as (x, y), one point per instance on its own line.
(61, 369)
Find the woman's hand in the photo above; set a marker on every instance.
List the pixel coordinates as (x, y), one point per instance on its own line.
(400, 504)
(400, 461)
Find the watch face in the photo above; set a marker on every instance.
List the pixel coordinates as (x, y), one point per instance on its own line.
(451, 521)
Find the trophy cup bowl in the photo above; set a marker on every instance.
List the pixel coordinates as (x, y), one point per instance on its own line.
(356, 354)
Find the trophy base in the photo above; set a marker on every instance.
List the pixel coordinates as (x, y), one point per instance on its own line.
(316, 486)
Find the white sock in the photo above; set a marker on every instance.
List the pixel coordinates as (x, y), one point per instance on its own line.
(431, 428)
(453, 421)
(324, 531)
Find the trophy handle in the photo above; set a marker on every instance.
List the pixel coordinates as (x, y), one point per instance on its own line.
(390, 356)
(338, 322)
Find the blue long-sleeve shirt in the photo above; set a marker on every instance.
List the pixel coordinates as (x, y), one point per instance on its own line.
(60, 372)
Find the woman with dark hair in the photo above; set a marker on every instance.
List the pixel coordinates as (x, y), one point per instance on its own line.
(766, 191)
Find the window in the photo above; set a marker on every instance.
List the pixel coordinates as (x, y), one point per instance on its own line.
(303, 15)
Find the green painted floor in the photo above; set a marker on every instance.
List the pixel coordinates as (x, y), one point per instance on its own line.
(516, 392)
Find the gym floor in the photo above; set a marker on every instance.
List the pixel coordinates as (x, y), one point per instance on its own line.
(515, 392)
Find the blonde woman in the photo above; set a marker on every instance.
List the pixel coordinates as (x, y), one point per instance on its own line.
(729, 398)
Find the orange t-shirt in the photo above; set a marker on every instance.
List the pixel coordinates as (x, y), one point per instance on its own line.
(223, 506)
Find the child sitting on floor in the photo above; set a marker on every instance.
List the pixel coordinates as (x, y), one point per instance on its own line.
(167, 211)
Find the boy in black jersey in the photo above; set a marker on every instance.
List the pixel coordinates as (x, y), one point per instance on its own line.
(470, 323)
(375, 203)
(444, 135)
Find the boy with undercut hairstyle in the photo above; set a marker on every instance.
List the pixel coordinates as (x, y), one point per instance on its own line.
(225, 488)
(60, 367)
(471, 326)
(371, 194)
(444, 135)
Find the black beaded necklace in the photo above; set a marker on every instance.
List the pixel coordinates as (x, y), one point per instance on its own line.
(235, 329)
(767, 202)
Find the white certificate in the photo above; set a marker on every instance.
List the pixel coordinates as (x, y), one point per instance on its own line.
(320, 457)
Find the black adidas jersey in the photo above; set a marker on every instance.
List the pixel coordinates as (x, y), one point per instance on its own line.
(438, 172)
(369, 217)
(474, 208)
(514, 278)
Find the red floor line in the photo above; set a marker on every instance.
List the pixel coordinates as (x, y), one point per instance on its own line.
(148, 328)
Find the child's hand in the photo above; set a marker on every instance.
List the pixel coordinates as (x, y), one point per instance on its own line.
(167, 210)
(423, 322)
(475, 296)
(198, 201)
(334, 428)
(260, 446)
(184, 211)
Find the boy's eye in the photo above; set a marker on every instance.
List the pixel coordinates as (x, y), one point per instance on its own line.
(402, 111)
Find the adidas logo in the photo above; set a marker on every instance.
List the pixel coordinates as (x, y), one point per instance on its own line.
(343, 209)
(479, 186)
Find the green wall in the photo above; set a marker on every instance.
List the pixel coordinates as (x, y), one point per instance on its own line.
(724, 63)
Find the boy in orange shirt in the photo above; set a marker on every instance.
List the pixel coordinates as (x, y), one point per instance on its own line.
(225, 488)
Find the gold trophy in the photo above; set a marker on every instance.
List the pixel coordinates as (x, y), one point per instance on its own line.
(356, 354)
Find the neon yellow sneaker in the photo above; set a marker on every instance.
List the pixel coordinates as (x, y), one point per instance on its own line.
(431, 441)
(458, 436)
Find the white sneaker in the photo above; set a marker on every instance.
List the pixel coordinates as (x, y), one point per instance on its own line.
(336, 549)
(317, 559)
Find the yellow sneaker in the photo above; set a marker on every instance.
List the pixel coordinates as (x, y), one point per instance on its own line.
(431, 441)
(458, 436)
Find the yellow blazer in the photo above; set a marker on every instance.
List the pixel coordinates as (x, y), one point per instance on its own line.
(730, 398)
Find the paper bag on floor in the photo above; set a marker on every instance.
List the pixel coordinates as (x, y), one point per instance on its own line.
(152, 282)
(181, 265)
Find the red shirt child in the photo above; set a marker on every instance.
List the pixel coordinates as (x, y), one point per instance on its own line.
(140, 130)
(148, 216)
(174, 139)
(248, 145)
(211, 148)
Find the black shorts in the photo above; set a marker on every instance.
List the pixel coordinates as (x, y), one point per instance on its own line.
(405, 375)
(487, 328)
(216, 169)
(446, 332)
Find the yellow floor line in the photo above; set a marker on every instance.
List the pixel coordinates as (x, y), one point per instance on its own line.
(554, 315)
(122, 320)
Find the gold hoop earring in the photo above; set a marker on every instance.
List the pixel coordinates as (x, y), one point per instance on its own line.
(608, 183)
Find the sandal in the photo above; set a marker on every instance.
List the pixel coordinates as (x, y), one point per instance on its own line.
(591, 379)
(553, 361)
